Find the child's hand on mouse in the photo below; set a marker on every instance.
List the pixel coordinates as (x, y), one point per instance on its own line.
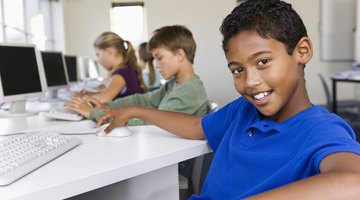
(116, 117)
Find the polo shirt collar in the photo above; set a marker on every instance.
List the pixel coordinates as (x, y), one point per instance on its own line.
(269, 126)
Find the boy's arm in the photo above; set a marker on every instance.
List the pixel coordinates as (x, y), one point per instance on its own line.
(339, 179)
(181, 124)
(150, 99)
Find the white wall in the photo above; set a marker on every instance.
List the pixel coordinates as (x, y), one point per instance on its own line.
(85, 19)
(311, 15)
(203, 19)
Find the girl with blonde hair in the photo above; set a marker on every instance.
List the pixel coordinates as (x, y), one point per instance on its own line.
(118, 57)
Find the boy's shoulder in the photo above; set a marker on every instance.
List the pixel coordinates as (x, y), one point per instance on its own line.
(317, 122)
(193, 80)
(191, 89)
(194, 83)
(313, 118)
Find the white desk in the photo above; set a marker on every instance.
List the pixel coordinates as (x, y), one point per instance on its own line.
(142, 166)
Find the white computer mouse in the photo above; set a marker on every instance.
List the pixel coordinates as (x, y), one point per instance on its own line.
(121, 131)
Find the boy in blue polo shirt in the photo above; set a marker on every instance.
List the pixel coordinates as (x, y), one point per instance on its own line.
(271, 143)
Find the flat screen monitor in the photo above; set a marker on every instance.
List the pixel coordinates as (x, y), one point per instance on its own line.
(55, 70)
(88, 69)
(93, 69)
(103, 73)
(21, 77)
(72, 68)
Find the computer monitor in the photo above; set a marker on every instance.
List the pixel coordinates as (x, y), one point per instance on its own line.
(103, 73)
(55, 71)
(93, 69)
(88, 69)
(72, 68)
(22, 77)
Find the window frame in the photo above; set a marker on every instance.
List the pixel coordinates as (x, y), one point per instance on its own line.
(44, 8)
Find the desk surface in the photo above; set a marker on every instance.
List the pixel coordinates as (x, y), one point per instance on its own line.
(350, 75)
(100, 161)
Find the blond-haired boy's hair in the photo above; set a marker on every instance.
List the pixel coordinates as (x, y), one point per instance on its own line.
(173, 38)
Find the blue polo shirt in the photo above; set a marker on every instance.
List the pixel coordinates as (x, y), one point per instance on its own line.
(254, 155)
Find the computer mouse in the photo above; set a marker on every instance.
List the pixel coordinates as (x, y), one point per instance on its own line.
(121, 131)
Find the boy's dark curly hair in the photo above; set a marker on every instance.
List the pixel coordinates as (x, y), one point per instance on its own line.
(269, 18)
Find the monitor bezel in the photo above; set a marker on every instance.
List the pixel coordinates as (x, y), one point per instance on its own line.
(83, 68)
(26, 96)
(77, 67)
(56, 87)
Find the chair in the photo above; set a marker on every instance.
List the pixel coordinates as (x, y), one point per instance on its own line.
(212, 106)
(196, 169)
(345, 108)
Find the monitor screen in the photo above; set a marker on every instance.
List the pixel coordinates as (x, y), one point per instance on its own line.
(72, 69)
(19, 70)
(102, 71)
(55, 70)
(93, 69)
(88, 69)
(21, 74)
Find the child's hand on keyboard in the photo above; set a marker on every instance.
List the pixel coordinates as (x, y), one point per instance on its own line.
(84, 106)
(80, 106)
(82, 93)
(96, 103)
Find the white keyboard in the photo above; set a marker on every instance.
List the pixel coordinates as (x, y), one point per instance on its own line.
(19, 155)
(63, 114)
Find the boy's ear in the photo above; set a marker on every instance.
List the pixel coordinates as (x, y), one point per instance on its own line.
(304, 50)
(181, 54)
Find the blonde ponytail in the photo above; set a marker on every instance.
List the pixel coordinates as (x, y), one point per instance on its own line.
(130, 61)
(123, 47)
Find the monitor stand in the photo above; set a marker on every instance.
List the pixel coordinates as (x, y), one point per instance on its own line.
(17, 109)
(51, 96)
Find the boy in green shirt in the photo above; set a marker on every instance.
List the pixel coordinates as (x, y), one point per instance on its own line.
(174, 50)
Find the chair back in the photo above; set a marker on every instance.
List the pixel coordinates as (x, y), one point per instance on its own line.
(212, 106)
(326, 91)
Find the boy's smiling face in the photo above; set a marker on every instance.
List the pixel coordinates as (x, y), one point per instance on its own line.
(267, 76)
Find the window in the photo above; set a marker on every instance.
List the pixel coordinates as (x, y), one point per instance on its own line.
(127, 20)
(14, 20)
(27, 21)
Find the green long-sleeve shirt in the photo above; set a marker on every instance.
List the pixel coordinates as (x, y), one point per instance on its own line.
(189, 97)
